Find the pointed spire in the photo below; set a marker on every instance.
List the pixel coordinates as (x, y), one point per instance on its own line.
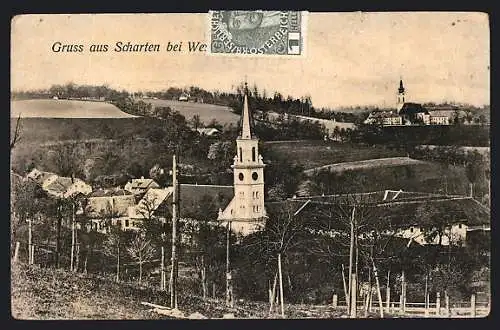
(245, 127)
(401, 87)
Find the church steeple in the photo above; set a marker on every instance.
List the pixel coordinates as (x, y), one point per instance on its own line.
(246, 129)
(401, 95)
(246, 211)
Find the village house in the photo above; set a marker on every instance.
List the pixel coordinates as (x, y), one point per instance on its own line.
(108, 207)
(410, 113)
(58, 186)
(209, 131)
(140, 186)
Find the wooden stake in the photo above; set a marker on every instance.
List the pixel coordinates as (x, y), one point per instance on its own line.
(71, 266)
(473, 305)
(346, 292)
(162, 269)
(173, 273)
(388, 292)
(351, 255)
(353, 313)
(281, 287)
(378, 289)
(438, 304)
(16, 251)
(30, 242)
(273, 293)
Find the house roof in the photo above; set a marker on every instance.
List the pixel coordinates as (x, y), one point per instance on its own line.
(39, 176)
(59, 186)
(412, 109)
(208, 131)
(399, 209)
(109, 193)
(117, 204)
(141, 183)
(441, 113)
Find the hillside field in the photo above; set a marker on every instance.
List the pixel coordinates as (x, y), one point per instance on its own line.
(311, 154)
(44, 108)
(207, 112)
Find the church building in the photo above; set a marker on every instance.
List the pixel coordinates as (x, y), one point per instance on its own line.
(246, 212)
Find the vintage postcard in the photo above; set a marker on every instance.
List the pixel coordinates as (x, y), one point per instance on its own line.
(250, 164)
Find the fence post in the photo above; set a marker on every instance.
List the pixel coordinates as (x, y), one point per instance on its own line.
(388, 298)
(447, 302)
(438, 304)
(426, 305)
(334, 302)
(473, 305)
(354, 296)
(401, 303)
(16, 251)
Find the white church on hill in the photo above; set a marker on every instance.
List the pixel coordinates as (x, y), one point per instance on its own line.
(246, 212)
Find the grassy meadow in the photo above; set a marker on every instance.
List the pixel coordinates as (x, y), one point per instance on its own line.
(49, 108)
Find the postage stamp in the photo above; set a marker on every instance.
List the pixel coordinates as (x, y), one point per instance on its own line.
(257, 32)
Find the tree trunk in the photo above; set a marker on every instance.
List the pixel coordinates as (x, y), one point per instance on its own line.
(140, 272)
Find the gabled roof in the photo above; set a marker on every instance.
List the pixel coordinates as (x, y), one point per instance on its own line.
(59, 186)
(398, 209)
(208, 131)
(412, 109)
(142, 183)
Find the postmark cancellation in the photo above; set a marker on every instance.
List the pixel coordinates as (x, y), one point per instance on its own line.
(278, 33)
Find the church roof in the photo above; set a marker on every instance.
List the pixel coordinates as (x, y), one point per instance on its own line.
(412, 109)
(190, 197)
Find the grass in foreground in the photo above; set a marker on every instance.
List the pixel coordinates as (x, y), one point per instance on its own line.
(48, 294)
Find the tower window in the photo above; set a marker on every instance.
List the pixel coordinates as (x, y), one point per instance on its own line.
(253, 154)
(255, 176)
(241, 176)
(241, 155)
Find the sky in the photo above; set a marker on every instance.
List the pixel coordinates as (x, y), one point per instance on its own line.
(351, 58)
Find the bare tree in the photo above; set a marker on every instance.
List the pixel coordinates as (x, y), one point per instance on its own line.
(142, 251)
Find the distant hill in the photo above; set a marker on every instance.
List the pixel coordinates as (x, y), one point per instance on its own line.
(207, 112)
(50, 108)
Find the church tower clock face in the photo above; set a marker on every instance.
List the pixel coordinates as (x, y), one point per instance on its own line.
(241, 176)
(255, 176)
